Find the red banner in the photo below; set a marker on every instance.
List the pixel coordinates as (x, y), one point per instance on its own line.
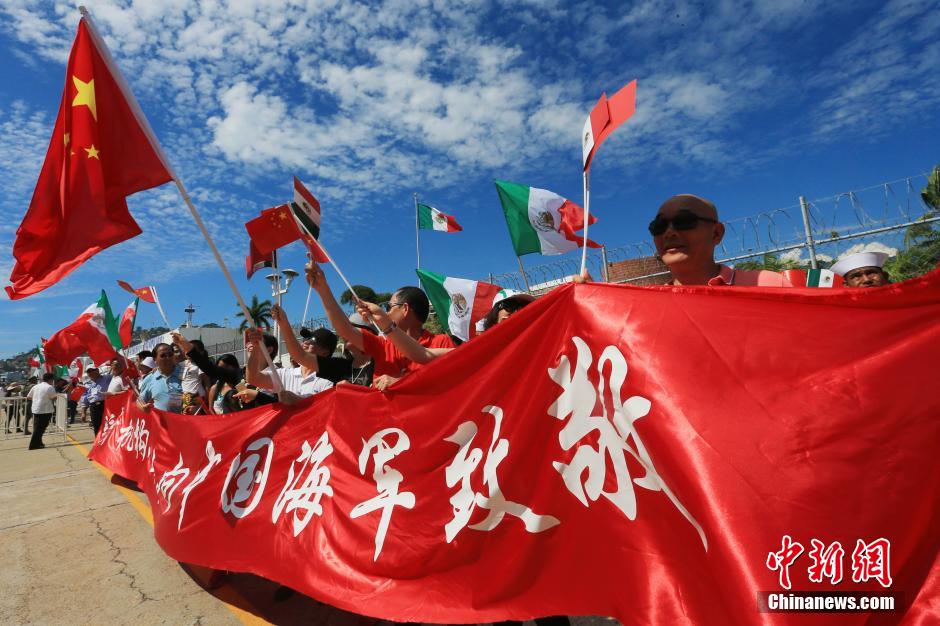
(661, 455)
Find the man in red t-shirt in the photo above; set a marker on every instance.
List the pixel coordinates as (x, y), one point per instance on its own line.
(407, 311)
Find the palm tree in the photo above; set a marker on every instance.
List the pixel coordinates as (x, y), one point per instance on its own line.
(260, 313)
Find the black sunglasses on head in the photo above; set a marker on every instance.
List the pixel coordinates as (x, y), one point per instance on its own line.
(681, 221)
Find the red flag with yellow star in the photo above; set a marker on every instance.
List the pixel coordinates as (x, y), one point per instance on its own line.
(274, 228)
(102, 150)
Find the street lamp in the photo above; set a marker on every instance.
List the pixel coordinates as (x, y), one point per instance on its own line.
(280, 283)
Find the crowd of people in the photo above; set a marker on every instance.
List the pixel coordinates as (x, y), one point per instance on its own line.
(379, 345)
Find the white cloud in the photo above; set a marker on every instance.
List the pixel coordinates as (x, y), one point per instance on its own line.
(871, 246)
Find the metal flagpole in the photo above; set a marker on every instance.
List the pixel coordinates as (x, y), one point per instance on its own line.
(587, 218)
(276, 286)
(148, 131)
(306, 306)
(417, 231)
(525, 279)
(810, 244)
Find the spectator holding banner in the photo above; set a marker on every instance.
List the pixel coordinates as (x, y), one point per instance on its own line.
(163, 387)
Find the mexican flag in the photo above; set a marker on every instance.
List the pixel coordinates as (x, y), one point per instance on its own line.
(460, 303)
(95, 332)
(126, 327)
(430, 218)
(541, 221)
(813, 278)
(39, 360)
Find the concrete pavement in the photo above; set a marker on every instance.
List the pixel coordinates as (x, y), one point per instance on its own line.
(77, 547)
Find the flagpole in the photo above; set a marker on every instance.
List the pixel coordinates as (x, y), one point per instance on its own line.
(352, 291)
(276, 286)
(156, 299)
(417, 231)
(152, 138)
(587, 219)
(525, 279)
(275, 379)
(303, 320)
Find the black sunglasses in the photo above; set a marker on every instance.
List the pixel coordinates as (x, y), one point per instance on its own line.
(388, 306)
(510, 306)
(682, 221)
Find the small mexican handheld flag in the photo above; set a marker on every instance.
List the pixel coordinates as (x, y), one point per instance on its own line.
(39, 360)
(126, 327)
(95, 332)
(813, 278)
(541, 221)
(430, 218)
(459, 303)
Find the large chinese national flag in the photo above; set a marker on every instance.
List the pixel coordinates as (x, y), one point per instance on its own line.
(101, 151)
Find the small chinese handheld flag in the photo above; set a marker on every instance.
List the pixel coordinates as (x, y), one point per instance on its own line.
(102, 150)
(273, 229)
(147, 294)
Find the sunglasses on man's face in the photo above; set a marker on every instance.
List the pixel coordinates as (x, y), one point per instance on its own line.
(681, 221)
(388, 306)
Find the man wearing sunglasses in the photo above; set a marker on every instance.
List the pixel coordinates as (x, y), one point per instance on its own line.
(407, 311)
(686, 231)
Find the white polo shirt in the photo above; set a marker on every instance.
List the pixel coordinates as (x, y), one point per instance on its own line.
(43, 397)
(294, 381)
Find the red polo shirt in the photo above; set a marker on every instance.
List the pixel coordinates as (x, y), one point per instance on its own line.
(390, 361)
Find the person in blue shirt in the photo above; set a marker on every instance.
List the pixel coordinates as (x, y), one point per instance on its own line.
(163, 388)
(95, 393)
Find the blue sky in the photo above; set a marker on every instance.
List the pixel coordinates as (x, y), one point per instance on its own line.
(749, 104)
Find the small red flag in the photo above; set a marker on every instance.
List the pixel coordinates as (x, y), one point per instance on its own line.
(273, 229)
(604, 119)
(148, 294)
(256, 261)
(126, 325)
(100, 152)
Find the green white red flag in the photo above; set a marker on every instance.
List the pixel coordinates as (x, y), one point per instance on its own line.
(430, 218)
(95, 332)
(813, 278)
(541, 221)
(459, 302)
(126, 325)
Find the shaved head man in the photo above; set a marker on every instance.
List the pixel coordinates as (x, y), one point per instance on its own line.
(686, 231)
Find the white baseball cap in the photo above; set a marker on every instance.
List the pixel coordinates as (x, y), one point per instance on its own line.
(512, 294)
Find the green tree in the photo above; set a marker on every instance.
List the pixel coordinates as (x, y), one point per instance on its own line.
(365, 293)
(921, 251)
(773, 263)
(433, 324)
(260, 312)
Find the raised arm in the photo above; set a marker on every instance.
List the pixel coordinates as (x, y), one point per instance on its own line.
(349, 333)
(293, 346)
(402, 340)
(204, 363)
(253, 374)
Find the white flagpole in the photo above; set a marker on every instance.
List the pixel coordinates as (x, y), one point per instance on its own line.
(306, 306)
(145, 126)
(417, 231)
(343, 277)
(587, 218)
(156, 298)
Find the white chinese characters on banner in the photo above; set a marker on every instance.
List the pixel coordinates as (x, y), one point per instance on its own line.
(304, 500)
(213, 458)
(249, 480)
(386, 480)
(613, 428)
(168, 483)
(465, 500)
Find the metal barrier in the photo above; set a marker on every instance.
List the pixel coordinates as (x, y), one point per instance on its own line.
(13, 410)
